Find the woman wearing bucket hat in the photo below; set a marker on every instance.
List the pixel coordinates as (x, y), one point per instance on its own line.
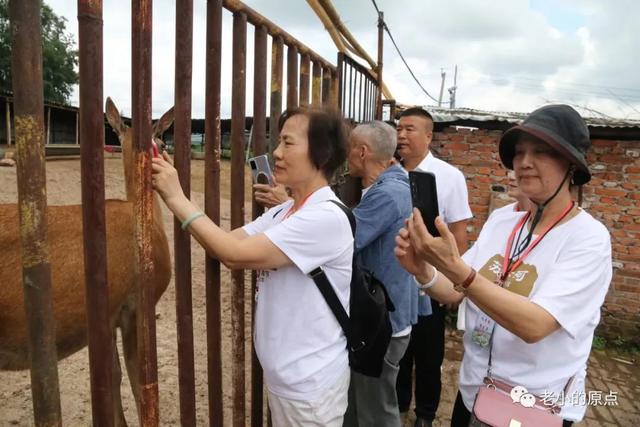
(534, 280)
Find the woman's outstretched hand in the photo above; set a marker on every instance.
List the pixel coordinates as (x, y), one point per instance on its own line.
(165, 178)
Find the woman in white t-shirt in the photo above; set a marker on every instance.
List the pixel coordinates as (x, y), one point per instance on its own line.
(542, 274)
(298, 340)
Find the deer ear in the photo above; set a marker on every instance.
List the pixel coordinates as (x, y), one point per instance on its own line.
(113, 117)
(162, 124)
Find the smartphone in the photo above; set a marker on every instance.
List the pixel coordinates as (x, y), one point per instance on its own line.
(424, 196)
(260, 169)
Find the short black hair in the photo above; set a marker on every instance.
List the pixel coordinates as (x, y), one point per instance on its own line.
(327, 137)
(417, 111)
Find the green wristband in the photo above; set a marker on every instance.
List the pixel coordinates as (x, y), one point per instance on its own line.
(190, 219)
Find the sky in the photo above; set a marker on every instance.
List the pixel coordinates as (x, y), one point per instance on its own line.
(511, 55)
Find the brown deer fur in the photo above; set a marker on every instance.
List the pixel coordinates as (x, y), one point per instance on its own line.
(65, 245)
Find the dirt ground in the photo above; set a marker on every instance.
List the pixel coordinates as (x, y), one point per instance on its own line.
(63, 187)
(607, 370)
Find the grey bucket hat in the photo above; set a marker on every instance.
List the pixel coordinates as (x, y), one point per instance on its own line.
(562, 128)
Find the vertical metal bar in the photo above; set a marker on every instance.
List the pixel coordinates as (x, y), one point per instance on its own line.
(366, 100)
(8, 118)
(316, 84)
(379, 68)
(182, 239)
(48, 126)
(341, 86)
(238, 90)
(259, 147)
(26, 63)
(212, 206)
(141, 31)
(77, 127)
(351, 94)
(361, 99)
(275, 108)
(305, 64)
(100, 334)
(333, 91)
(292, 76)
(326, 86)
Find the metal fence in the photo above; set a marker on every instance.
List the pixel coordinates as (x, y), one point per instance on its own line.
(311, 80)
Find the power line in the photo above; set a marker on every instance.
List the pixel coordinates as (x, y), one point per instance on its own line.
(376, 6)
(386, 27)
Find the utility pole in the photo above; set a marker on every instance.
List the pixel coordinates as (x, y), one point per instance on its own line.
(452, 89)
(379, 70)
(443, 74)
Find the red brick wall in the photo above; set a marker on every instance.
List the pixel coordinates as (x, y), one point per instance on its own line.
(612, 196)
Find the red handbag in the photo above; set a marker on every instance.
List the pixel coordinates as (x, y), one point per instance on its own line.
(494, 407)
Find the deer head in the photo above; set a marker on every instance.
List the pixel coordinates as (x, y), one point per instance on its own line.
(126, 138)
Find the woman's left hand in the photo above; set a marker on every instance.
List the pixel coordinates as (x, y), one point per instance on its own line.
(165, 178)
(441, 252)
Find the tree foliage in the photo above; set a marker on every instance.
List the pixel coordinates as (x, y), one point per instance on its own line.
(59, 56)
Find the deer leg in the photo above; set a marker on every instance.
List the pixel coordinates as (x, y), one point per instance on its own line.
(118, 410)
(130, 347)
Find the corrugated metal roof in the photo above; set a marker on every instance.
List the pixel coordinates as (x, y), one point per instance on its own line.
(444, 115)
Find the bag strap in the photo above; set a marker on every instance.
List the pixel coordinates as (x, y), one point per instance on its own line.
(493, 380)
(325, 288)
(322, 282)
(349, 213)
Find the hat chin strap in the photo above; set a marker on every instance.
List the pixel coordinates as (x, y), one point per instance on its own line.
(541, 206)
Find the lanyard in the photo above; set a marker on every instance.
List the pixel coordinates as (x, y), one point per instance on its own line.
(293, 209)
(506, 269)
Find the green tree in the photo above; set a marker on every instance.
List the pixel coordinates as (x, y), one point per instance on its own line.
(59, 56)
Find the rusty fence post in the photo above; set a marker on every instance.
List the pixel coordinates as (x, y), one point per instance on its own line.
(238, 99)
(275, 108)
(292, 76)
(212, 207)
(333, 91)
(259, 145)
(91, 127)
(316, 84)
(305, 64)
(379, 68)
(341, 85)
(26, 63)
(326, 86)
(141, 32)
(182, 239)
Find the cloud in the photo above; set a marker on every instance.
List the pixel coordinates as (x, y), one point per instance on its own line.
(511, 54)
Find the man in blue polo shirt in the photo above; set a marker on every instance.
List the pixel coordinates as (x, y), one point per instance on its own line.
(385, 204)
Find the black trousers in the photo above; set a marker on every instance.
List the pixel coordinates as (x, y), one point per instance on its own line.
(460, 416)
(426, 350)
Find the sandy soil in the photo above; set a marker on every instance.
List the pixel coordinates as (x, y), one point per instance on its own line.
(63, 187)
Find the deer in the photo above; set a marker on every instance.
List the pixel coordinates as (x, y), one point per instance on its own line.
(65, 244)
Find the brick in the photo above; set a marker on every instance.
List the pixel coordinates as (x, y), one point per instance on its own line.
(607, 200)
(603, 143)
(610, 192)
(629, 273)
(629, 186)
(457, 146)
(485, 148)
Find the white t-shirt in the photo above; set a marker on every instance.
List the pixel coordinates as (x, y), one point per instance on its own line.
(298, 340)
(453, 198)
(568, 274)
